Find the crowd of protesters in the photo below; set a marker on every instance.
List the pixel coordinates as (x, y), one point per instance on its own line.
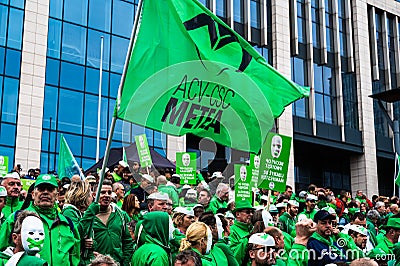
(150, 218)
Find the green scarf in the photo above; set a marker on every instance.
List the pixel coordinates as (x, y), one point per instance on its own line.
(330, 243)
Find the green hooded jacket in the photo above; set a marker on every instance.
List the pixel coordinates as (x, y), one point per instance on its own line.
(288, 224)
(384, 247)
(217, 256)
(216, 203)
(228, 252)
(153, 240)
(12, 205)
(114, 238)
(172, 193)
(238, 240)
(61, 246)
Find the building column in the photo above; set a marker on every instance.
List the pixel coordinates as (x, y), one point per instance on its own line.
(363, 167)
(31, 92)
(281, 61)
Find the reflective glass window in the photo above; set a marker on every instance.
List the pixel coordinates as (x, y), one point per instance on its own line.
(16, 21)
(100, 14)
(76, 11)
(2, 57)
(10, 98)
(94, 49)
(74, 143)
(115, 79)
(73, 43)
(89, 147)
(52, 71)
(238, 12)
(3, 24)
(92, 81)
(119, 47)
(255, 14)
(13, 63)
(221, 8)
(69, 116)
(56, 8)
(54, 38)
(72, 76)
(123, 21)
(50, 107)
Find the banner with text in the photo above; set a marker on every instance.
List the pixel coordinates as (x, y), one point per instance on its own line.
(243, 178)
(3, 165)
(274, 162)
(186, 167)
(254, 170)
(143, 150)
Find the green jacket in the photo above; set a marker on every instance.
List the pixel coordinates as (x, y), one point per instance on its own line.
(353, 252)
(216, 203)
(228, 253)
(205, 261)
(239, 240)
(217, 256)
(5, 256)
(288, 224)
(310, 215)
(384, 247)
(297, 257)
(114, 238)
(172, 193)
(61, 245)
(152, 241)
(12, 205)
(372, 232)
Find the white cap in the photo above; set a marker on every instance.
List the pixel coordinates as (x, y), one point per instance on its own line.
(191, 191)
(311, 197)
(265, 197)
(217, 175)
(272, 208)
(14, 175)
(293, 203)
(186, 186)
(281, 205)
(3, 191)
(229, 215)
(359, 229)
(329, 209)
(176, 175)
(262, 239)
(123, 164)
(158, 196)
(198, 205)
(303, 194)
(184, 210)
(148, 178)
(301, 217)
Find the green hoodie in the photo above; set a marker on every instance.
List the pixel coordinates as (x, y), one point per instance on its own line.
(61, 245)
(216, 203)
(153, 240)
(172, 193)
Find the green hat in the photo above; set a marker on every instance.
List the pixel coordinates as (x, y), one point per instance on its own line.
(392, 223)
(3, 191)
(46, 179)
(242, 205)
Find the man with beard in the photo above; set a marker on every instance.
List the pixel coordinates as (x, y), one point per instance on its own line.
(323, 249)
(110, 230)
(240, 229)
(261, 250)
(12, 183)
(359, 237)
(288, 219)
(61, 245)
(386, 245)
(220, 198)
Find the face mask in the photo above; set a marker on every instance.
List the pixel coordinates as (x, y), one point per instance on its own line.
(219, 227)
(209, 240)
(171, 229)
(32, 234)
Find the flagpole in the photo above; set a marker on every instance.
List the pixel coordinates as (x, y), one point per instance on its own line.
(121, 84)
(99, 104)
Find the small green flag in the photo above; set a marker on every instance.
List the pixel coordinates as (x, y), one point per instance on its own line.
(67, 165)
(189, 72)
(397, 167)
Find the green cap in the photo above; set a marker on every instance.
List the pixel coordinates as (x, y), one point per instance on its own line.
(242, 205)
(46, 179)
(393, 223)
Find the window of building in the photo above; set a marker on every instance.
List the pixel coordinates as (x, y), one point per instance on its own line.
(301, 21)
(238, 11)
(75, 30)
(316, 20)
(299, 75)
(221, 8)
(255, 11)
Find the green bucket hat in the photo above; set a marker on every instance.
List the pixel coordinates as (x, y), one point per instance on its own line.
(46, 179)
(392, 223)
(242, 205)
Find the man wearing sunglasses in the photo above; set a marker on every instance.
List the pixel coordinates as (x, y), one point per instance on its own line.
(322, 246)
(240, 229)
(310, 211)
(13, 185)
(61, 245)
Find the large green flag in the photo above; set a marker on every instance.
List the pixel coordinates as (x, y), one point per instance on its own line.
(67, 165)
(188, 72)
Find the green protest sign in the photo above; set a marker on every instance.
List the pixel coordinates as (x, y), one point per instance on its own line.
(254, 170)
(186, 167)
(143, 150)
(243, 180)
(26, 183)
(274, 162)
(3, 165)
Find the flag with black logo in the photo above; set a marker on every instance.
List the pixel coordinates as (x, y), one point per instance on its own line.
(188, 72)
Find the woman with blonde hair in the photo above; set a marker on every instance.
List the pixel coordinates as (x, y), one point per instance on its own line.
(77, 199)
(199, 239)
(131, 206)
